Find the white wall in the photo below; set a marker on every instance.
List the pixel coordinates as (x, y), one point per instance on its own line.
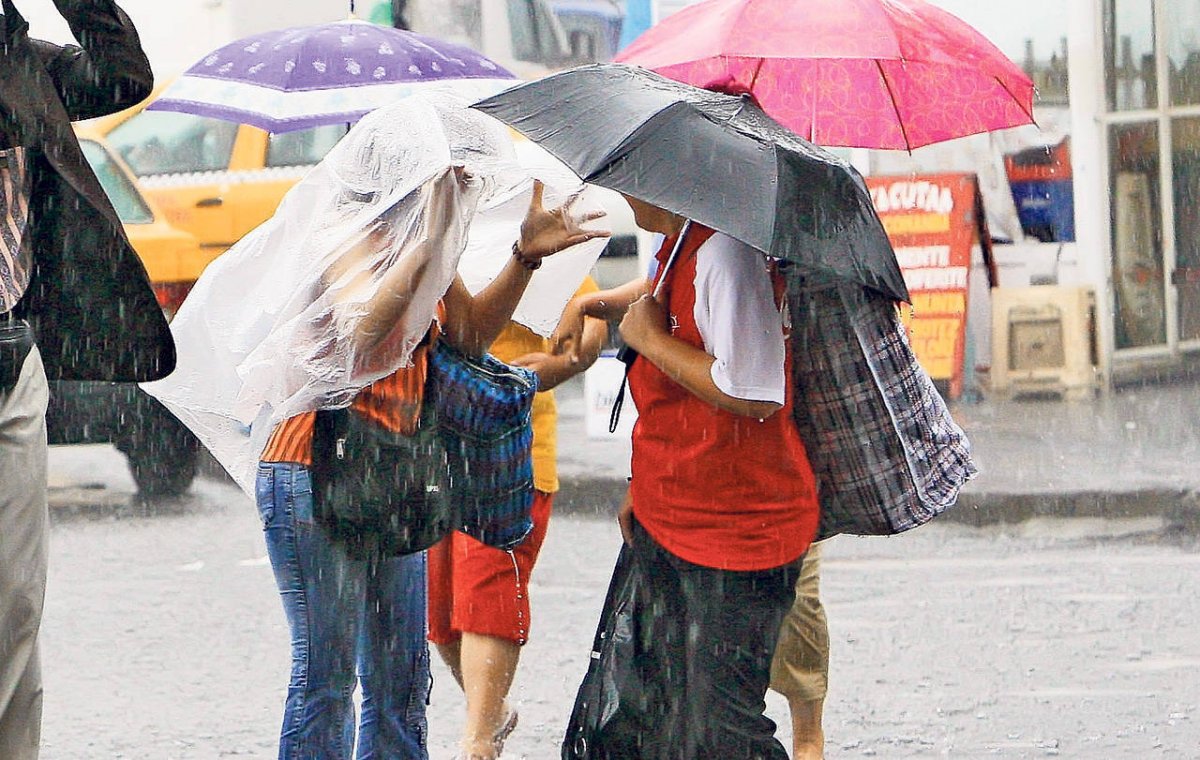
(177, 33)
(253, 16)
(1088, 162)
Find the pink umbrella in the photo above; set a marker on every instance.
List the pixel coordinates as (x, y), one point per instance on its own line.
(857, 73)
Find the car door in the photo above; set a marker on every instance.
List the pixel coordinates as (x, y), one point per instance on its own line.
(182, 163)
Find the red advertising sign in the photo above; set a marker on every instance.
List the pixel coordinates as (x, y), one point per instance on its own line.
(933, 225)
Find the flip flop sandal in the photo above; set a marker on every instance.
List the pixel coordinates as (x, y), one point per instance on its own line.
(506, 728)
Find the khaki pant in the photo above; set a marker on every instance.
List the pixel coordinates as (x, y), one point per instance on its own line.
(800, 667)
(23, 550)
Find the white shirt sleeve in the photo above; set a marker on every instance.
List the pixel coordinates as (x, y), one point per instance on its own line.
(738, 320)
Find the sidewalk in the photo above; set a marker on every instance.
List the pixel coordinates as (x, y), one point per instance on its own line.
(1134, 452)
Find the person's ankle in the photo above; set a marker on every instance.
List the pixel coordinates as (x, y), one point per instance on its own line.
(809, 750)
(478, 749)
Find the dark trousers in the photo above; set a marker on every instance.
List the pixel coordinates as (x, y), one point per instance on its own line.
(705, 639)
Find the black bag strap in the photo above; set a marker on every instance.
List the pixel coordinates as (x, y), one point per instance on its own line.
(614, 416)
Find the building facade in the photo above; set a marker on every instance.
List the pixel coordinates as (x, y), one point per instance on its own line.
(1134, 70)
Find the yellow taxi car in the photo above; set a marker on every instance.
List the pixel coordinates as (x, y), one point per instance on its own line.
(214, 179)
(172, 256)
(163, 455)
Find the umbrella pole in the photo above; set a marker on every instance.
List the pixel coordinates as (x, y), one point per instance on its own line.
(662, 279)
(626, 354)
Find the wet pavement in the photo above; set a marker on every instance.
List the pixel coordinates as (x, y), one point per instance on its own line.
(164, 636)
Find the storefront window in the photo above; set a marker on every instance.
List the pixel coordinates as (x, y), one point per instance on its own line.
(1185, 160)
(1131, 78)
(1138, 283)
(1182, 45)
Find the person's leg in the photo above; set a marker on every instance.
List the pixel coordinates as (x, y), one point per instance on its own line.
(488, 667)
(23, 553)
(491, 616)
(808, 736)
(800, 667)
(733, 623)
(322, 592)
(393, 662)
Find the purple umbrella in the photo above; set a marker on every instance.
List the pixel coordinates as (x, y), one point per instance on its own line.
(307, 76)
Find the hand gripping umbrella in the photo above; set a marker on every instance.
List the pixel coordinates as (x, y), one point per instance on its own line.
(713, 158)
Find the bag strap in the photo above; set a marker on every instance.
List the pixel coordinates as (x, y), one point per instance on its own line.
(614, 416)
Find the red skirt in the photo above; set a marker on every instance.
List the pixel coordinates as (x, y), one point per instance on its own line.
(475, 588)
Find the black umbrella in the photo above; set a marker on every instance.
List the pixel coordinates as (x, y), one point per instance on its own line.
(713, 158)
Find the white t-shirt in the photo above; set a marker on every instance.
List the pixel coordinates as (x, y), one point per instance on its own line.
(738, 320)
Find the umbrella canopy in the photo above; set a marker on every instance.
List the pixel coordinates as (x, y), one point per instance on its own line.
(858, 73)
(713, 158)
(335, 73)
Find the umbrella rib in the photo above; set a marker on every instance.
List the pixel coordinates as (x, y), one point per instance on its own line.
(1015, 99)
(895, 106)
(754, 78)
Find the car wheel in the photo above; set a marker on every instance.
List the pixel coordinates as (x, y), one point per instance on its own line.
(163, 460)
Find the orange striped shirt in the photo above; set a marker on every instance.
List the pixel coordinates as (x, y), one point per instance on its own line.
(393, 402)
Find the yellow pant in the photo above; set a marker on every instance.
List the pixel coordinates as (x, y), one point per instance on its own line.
(800, 668)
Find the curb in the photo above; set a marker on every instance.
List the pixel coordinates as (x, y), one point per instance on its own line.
(1180, 508)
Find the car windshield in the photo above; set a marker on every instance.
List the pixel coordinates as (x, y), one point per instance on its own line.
(131, 209)
(162, 142)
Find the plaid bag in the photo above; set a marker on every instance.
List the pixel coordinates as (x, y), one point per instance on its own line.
(485, 419)
(885, 451)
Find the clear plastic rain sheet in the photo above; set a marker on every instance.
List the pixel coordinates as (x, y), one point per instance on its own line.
(280, 324)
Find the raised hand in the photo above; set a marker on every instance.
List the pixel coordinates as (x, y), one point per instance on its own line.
(548, 231)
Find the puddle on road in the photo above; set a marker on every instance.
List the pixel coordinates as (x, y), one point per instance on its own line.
(77, 499)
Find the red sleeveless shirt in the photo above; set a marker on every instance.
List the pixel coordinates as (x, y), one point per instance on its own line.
(715, 488)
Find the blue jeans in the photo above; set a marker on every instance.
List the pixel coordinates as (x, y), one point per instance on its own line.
(350, 620)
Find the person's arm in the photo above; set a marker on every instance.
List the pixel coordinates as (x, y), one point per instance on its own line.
(554, 369)
(607, 305)
(741, 367)
(444, 199)
(645, 329)
(108, 71)
(473, 322)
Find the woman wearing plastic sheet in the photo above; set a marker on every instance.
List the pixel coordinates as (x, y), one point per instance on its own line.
(721, 505)
(340, 297)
